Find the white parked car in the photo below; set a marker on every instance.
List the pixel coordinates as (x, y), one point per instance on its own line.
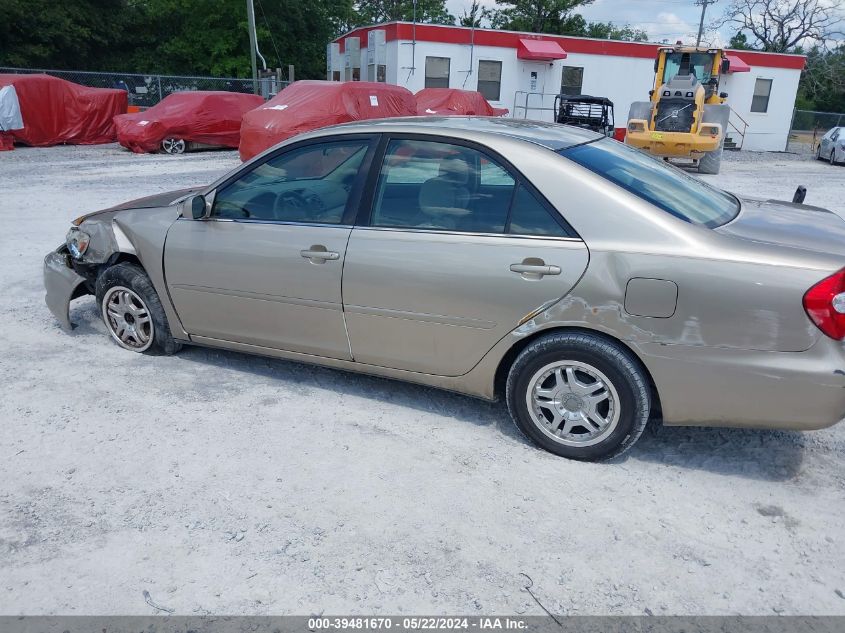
(832, 146)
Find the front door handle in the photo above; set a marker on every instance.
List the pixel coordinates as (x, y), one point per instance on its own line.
(533, 268)
(318, 254)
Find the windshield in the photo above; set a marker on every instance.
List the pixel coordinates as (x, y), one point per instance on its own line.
(698, 64)
(657, 182)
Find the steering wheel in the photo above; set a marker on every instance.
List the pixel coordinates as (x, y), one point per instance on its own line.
(297, 201)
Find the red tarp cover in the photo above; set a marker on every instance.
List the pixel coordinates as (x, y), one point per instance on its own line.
(56, 111)
(208, 117)
(737, 65)
(451, 102)
(539, 50)
(309, 105)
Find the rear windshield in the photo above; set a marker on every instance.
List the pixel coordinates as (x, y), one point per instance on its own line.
(654, 180)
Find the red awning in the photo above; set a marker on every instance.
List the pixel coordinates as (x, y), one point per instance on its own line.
(540, 50)
(737, 65)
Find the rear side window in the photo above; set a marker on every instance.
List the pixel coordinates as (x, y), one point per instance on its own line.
(441, 186)
(657, 182)
(529, 216)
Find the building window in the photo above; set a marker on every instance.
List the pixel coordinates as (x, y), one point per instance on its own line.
(572, 80)
(335, 75)
(760, 100)
(490, 79)
(436, 72)
(381, 73)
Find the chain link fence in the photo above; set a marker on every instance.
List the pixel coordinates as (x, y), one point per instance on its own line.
(148, 90)
(808, 127)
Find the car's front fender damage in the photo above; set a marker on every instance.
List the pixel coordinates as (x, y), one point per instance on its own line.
(63, 284)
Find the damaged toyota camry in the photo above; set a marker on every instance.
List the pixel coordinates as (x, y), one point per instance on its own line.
(589, 286)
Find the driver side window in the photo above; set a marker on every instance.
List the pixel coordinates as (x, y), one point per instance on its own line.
(309, 184)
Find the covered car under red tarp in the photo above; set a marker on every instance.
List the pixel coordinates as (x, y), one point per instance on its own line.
(206, 117)
(309, 105)
(54, 111)
(452, 102)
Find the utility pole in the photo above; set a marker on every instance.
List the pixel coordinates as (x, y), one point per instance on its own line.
(253, 44)
(703, 4)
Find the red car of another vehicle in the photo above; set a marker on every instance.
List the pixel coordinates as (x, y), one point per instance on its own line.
(187, 120)
(308, 105)
(454, 102)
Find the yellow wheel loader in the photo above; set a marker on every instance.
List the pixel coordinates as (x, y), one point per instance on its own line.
(686, 116)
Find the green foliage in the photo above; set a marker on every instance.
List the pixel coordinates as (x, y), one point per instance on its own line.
(192, 37)
(538, 16)
(43, 33)
(740, 42)
(427, 11)
(475, 16)
(609, 31)
(822, 86)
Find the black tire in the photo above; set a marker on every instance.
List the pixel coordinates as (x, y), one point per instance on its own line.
(711, 162)
(134, 278)
(621, 369)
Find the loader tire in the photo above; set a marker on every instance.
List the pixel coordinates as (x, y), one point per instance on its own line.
(711, 162)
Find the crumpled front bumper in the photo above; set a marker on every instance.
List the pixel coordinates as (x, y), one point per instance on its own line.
(61, 283)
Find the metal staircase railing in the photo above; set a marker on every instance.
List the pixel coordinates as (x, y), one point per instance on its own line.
(743, 123)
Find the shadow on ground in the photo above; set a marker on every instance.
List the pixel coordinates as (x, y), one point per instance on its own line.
(750, 453)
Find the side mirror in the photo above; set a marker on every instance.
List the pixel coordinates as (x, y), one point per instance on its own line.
(723, 95)
(726, 66)
(800, 195)
(194, 207)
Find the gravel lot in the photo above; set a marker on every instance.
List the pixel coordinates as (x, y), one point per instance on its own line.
(222, 483)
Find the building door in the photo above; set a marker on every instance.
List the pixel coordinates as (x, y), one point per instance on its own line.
(532, 86)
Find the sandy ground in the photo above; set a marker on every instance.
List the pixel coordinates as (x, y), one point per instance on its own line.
(222, 483)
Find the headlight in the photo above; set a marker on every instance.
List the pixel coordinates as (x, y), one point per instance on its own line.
(77, 242)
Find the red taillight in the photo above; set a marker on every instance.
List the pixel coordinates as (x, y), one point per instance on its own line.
(825, 305)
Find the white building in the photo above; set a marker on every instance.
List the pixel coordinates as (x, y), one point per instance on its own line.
(524, 71)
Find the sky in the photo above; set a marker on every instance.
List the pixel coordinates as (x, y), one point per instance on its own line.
(661, 19)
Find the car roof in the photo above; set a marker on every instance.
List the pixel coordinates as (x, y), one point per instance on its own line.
(551, 135)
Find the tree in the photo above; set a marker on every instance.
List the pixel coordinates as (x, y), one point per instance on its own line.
(45, 34)
(739, 42)
(475, 15)
(429, 11)
(538, 16)
(823, 80)
(779, 26)
(609, 31)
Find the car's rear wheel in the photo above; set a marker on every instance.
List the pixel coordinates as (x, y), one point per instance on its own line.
(579, 396)
(173, 145)
(132, 311)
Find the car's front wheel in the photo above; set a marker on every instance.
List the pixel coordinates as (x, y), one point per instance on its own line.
(579, 395)
(132, 311)
(833, 156)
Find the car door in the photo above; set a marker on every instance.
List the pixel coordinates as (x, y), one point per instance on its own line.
(264, 268)
(456, 251)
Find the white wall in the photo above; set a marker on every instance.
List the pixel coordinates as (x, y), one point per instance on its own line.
(622, 79)
(766, 131)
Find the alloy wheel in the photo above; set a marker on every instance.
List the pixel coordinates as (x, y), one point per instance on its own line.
(173, 145)
(128, 319)
(572, 402)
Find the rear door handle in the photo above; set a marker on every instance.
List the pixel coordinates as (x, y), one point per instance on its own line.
(535, 269)
(319, 254)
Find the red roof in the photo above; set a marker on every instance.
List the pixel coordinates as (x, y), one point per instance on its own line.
(539, 50)
(737, 65)
(405, 31)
